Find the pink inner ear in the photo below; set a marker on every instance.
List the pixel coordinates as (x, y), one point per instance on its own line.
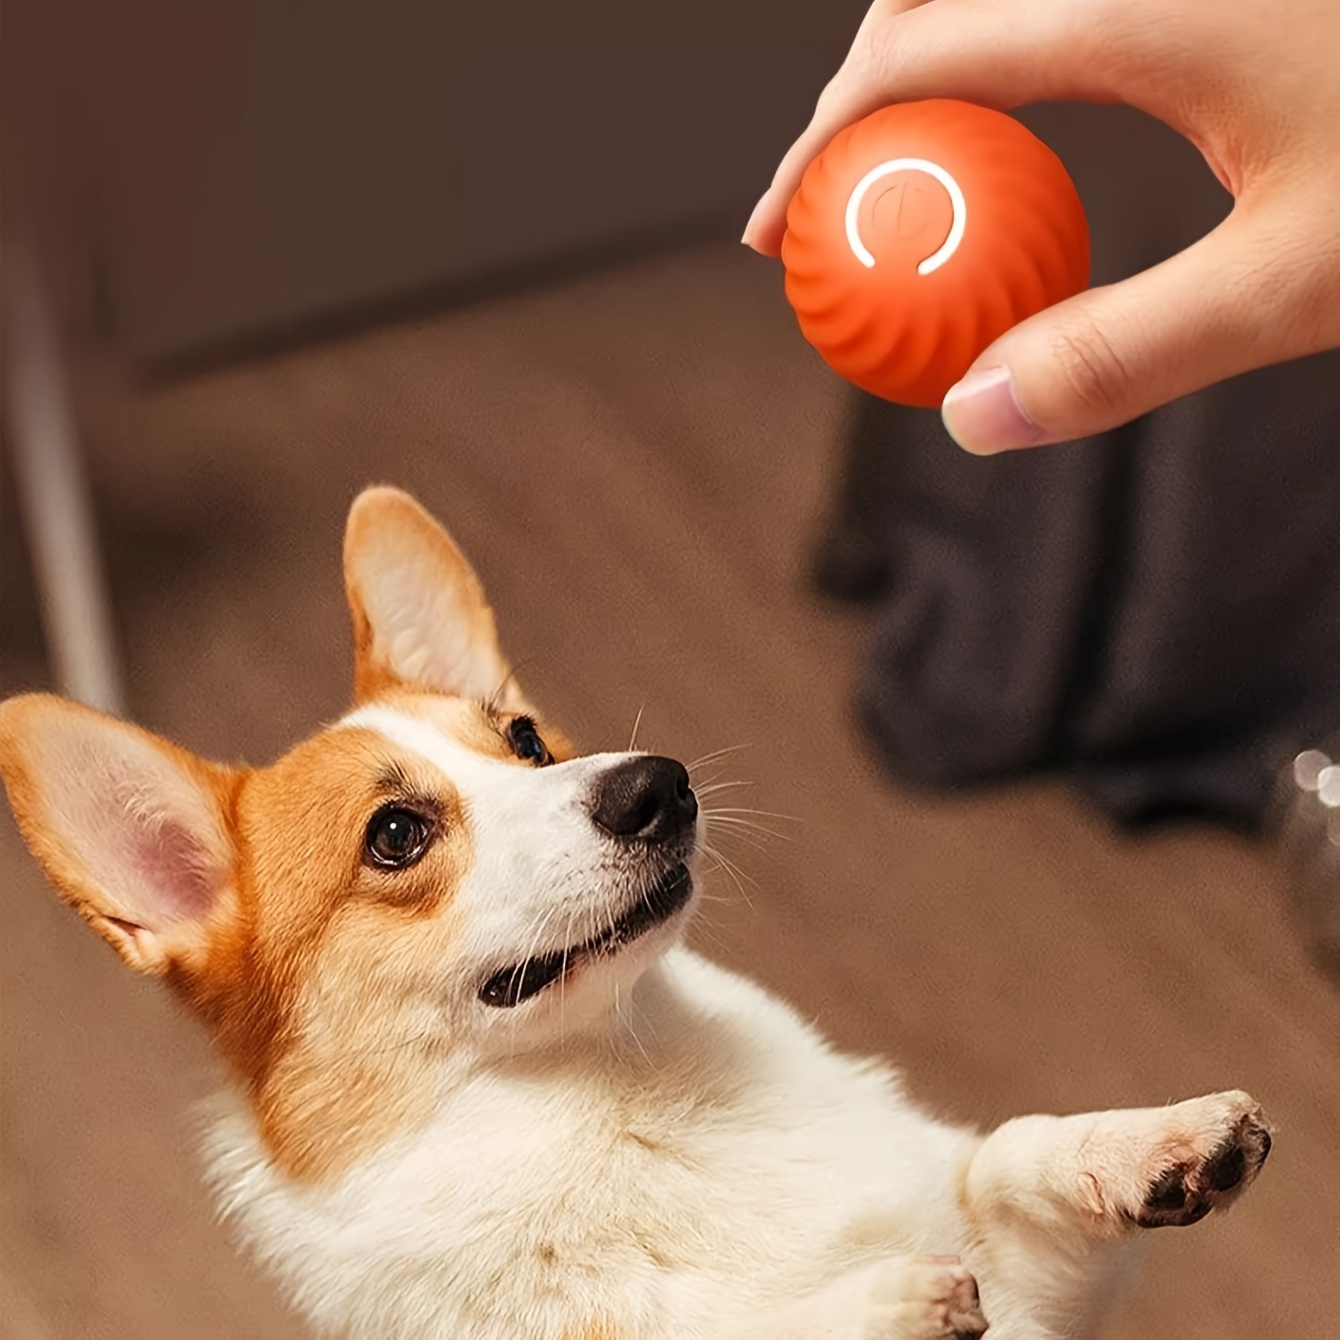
(171, 868)
(148, 839)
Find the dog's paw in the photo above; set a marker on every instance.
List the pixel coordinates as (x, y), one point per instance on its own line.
(1212, 1152)
(924, 1298)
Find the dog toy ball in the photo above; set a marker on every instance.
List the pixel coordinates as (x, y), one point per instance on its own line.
(922, 233)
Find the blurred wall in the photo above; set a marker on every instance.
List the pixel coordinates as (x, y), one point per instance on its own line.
(204, 171)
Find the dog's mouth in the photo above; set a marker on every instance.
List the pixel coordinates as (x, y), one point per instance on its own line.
(521, 981)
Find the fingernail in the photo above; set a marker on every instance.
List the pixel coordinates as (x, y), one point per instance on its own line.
(983, 414)
(753, 219)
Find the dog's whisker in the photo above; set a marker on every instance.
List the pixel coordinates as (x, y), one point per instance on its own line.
(563, 979)
(717, 864)
(732, 871)
(702, 760)
(750, 840)
(637, 721)
(710, 846)
(744, 809)
(536, 940)
(745, 829)
(711, 788)
(714, 756)
(735, 872)
(726, 822)
(761, 839)
(739, 875)
(495, 699)
(711, 938)
(630, 1021)
(706, 897)
(729, 817)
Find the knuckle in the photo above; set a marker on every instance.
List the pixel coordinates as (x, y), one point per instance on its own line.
(1092, 368)
(870, 67)
(873, 51)
(871, 60)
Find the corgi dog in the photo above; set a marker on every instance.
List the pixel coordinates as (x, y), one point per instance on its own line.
(477, 1089)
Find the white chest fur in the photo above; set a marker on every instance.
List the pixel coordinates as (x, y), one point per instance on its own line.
(678, 1178)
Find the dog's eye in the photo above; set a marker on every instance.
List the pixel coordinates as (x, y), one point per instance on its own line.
(396, 837)
(526, 743)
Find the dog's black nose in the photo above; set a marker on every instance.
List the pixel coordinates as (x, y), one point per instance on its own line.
(644, 797)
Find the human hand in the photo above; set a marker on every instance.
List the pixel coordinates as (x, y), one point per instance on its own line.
(1254, 84)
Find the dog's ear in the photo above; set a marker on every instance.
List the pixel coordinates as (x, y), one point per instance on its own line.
(132, 831)
(419, 613)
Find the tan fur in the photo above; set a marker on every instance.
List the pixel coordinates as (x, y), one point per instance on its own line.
(323, 925)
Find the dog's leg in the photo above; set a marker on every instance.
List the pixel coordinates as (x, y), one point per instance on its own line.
(1107, 1172)
(1044, 1195)
(900, 1298)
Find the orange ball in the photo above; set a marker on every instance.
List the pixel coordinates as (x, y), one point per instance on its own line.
(922, 233)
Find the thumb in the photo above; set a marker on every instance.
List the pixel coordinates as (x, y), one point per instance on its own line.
(1224, 305)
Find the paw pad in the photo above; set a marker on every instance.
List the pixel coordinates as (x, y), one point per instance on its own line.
(926, 1298)
(1185, 1194)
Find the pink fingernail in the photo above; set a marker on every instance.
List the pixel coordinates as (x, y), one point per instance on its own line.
(983, 414)
(753, 218)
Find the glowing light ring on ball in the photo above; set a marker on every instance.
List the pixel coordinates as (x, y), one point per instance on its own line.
(960, 207)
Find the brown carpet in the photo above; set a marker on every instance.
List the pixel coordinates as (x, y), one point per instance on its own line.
(637, 464)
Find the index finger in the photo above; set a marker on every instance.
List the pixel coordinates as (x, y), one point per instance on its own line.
(990, 52)
(847, 97)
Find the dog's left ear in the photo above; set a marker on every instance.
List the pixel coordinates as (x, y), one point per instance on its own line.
(419, 613)
(133, 832)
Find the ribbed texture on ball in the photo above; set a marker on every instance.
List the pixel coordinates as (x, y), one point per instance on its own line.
(906, 336)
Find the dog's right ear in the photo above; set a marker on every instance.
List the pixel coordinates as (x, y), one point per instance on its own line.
(132, 831)
(419, 613)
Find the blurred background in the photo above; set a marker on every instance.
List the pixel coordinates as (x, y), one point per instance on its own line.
(259, 253)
